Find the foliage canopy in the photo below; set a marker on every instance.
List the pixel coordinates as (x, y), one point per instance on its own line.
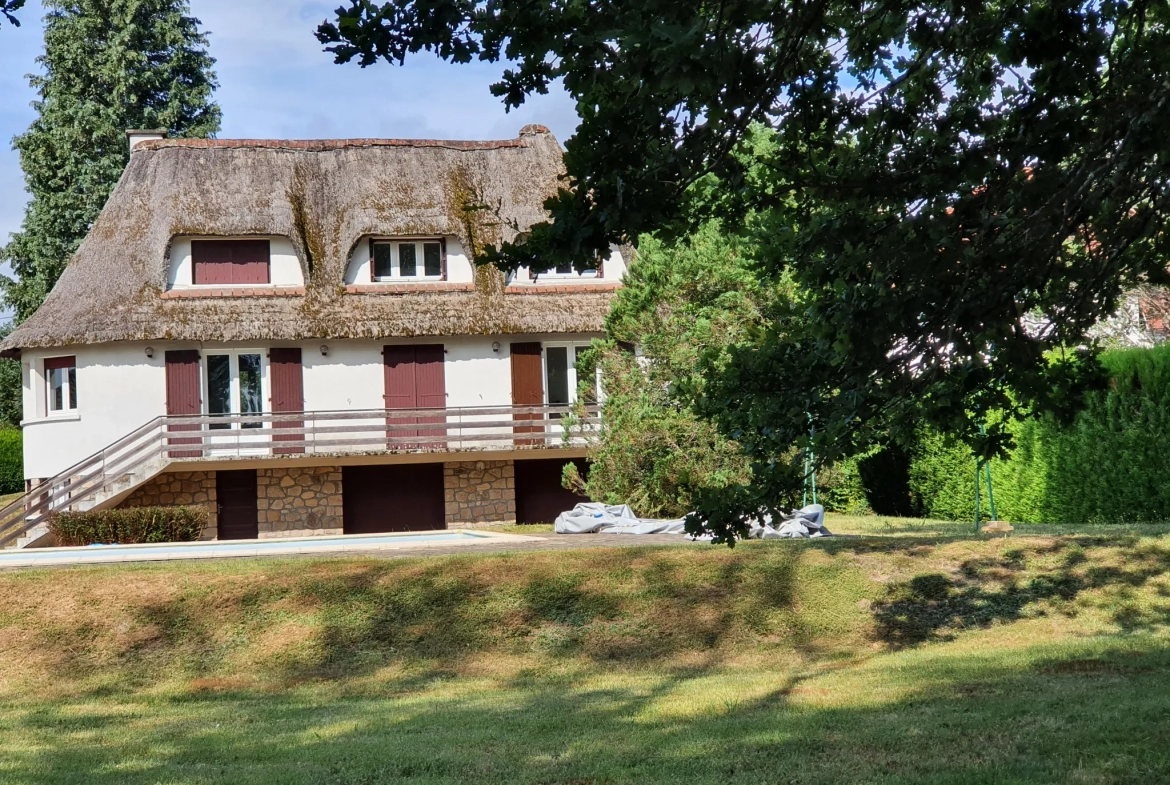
(959, 191)
(108, 66)
(8, 9)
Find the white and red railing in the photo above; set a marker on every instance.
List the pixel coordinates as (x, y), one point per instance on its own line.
(164, 441)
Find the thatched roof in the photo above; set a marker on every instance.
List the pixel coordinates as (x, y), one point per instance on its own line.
(325, 196)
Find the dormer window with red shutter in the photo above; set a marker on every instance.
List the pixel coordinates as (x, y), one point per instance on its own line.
(230, 262)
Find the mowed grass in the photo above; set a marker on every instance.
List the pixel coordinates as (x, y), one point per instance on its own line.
(911, 657)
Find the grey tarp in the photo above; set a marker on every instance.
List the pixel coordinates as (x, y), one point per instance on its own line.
(592, 517)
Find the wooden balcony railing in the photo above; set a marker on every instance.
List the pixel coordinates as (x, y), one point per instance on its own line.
(175, 439)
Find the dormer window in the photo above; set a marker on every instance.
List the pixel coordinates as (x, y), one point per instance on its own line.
(407, 260)
(565, 271)
(230, 262)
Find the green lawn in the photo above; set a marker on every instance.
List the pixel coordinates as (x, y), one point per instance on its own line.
(924, 655)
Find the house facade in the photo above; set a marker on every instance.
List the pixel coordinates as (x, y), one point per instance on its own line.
(294, 334)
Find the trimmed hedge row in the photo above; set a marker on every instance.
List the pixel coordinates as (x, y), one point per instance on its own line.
(130, 525)
(1112, 465)
(11, 461)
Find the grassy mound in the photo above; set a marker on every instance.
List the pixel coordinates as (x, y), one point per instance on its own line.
(894, 659)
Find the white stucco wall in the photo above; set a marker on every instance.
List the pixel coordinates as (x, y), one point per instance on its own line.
(459, 266)
(119, 388)
(284, 267)
(350, 376)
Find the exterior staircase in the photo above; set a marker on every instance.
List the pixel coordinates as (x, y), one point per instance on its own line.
(101, 480)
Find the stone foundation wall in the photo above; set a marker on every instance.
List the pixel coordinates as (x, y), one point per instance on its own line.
(299, 502)
(178, 489)
(479, 492)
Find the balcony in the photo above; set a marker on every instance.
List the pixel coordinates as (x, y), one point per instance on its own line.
(375, 431)
(110, 474)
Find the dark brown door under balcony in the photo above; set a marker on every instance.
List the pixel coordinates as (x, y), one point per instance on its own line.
(398, 498)
(540, 497)
(235, 496)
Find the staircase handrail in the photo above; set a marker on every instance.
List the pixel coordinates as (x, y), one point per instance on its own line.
(61, 486)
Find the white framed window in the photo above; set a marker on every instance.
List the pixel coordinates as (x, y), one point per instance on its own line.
(61, 385)
(562, 383)
(565, 271)
(235, 382)
(408, 260)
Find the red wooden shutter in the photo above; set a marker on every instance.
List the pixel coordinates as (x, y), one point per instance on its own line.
(288, 395)
(230, 262)
(527, 386)
(183, 396)
(430, 387)
(414, 380)
(211, 262)
(250, 260)
(398, 362)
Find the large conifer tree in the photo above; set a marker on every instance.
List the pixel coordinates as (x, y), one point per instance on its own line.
(108, 65)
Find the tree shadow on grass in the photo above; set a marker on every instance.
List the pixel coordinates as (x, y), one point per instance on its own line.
(989, 590)
(1089, 715)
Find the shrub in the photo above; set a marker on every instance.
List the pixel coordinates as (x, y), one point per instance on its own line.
(130, 525)
(11, 461)
(1109, 465)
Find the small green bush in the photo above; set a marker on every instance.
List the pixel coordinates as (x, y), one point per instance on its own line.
(130, 525)
(11, 461)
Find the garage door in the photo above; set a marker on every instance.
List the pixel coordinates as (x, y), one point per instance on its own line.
(399, 498)
(539, 495)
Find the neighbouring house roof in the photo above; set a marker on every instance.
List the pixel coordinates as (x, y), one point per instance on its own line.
(325, 196)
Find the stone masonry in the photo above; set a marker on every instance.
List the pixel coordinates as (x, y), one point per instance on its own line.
(479, 492)
(299, 502)
(178, 489)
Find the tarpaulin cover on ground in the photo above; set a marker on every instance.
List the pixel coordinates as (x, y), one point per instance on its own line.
(594, 517)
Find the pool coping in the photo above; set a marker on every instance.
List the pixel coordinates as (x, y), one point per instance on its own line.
(113, 554)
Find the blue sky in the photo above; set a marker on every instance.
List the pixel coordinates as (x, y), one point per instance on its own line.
(275, 82)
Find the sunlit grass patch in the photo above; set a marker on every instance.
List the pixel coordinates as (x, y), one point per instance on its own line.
(904, 658)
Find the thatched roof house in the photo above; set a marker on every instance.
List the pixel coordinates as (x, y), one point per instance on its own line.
(325, 196)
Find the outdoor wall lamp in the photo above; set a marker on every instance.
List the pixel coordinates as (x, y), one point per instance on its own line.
(149, 352)
(324, 350)
(495, 346)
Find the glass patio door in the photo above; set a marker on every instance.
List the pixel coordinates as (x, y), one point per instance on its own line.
(235, 383)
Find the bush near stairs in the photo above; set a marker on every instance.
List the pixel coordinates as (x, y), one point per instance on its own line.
(11, 461)
(130, 525)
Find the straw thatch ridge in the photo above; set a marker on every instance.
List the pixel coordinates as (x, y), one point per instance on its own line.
(325, 196)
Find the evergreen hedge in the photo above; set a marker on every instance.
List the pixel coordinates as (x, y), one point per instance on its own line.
(1111, 465)
(11, 461)
(130, 525)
